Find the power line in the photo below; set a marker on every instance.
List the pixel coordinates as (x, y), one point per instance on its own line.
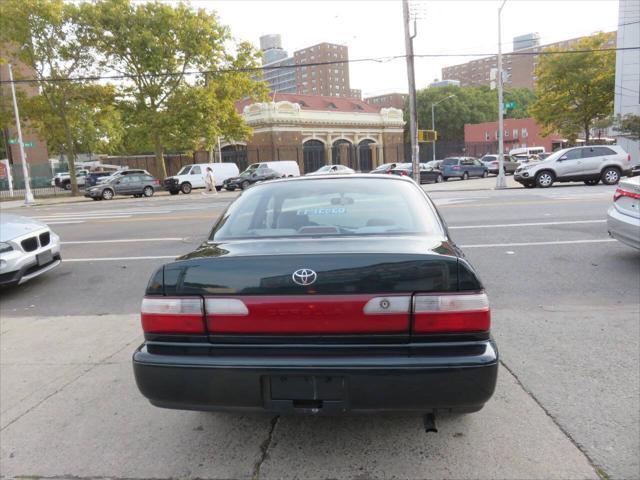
(311, 64)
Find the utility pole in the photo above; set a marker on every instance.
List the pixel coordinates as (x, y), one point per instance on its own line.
(413, 108)
(501, 181)
(28, 196)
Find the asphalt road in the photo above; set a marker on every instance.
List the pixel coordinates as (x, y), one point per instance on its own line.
(565, 315)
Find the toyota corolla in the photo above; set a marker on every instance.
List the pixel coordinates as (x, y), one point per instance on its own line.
(320, 295)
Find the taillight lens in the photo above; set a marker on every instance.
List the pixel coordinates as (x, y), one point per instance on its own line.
(156, 181)
(494, 163)
(451, 313)
(172, 315)
(624, 193)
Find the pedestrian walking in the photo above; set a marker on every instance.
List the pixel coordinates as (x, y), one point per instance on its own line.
(210, 182)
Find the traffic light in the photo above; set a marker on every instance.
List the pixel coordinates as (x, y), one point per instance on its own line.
(426, 136)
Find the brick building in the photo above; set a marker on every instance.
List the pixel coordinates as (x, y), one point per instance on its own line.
(519, 67)
(330, 80)
(389, 100)
(317, 130)
(521, 132)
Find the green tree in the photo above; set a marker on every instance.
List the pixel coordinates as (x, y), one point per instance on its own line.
(158, 47)
(575, 89)
(49, 39)
(467, 105)
(627, 126)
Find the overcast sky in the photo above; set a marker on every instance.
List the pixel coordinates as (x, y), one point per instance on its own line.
(373, 28)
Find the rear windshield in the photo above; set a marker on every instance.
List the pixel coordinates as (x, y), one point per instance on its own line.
(328, 208)
(450, 161)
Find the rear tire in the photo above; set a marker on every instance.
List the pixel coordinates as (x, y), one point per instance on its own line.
(244, 185)
(592, 182)
(185, 188)
(439, 179)
(485, 174)
(444, 179)
(67, 186)
(610, 176)
(465, 176)
(147, 192)
(230, 189)
(107, 194)
(218, 188)
(544, 179)
(174, 192)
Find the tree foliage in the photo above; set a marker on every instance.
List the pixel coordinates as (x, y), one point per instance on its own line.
(468, 105)
(158, 46)
(574, 90)
(627, 126)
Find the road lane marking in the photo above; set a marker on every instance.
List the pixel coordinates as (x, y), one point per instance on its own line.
(532, 224)
(533, 244)
(123, 240)
(64, 223)
(120, 259)
(502, 204)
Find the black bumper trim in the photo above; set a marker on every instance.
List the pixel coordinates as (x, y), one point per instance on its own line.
(372, 382)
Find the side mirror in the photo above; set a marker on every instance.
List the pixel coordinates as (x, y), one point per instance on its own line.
(564, 157)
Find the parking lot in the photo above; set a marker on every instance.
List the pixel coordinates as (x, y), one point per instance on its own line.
(565, 316)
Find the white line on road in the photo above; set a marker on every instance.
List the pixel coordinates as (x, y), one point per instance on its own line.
(533, 224)
(123, 240)
(533, 244)
(64, 223)
(119, 259)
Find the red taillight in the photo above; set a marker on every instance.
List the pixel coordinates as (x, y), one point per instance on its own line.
(494, 163)
(628, 157)
(456, 313)
(624, 193)
(172, 315)
(156, 182)
(403, 173)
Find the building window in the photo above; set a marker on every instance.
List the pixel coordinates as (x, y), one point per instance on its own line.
(525, 134)
(515, 133)
(506, 132)
(487, 136)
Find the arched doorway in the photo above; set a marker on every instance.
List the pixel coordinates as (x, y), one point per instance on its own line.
(342, 153)
(365, 155)
(235, 154)
(313, 155)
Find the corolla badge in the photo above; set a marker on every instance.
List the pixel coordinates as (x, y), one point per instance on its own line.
(304, 276)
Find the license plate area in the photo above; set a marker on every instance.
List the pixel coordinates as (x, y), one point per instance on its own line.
(44, 258)
(305, 393)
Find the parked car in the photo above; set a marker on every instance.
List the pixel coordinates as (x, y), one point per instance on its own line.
(193, 176)
(463, 168)
(121, 173)
(28, 248)
(623, 217)
(526, 151)
(590, 164)
(249, 177)
(333, 170)
(384, 168)
(301, 301)
(92, 178)
(428, 174)
(63, 179)
(137, 185)
(286, 168)
(493, 163)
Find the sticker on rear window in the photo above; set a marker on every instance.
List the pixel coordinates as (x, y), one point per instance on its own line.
(322, 211)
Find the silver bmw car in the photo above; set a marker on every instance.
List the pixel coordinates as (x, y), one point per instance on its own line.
(623, 217)
(28, 248)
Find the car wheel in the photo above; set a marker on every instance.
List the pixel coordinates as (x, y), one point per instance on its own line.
(465, 176)
(485, 174)
(444, 179)
(107, 194)
(439, 179)
(230, 189)
(610, 176)
(544, 179)
(592, 182)
(67, 186)
(218, 188)
(185, 188)
(244, 185)
(174, 192)
(147, 192)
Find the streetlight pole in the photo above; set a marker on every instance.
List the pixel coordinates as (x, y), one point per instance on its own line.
(413, 108)
(501, 181)
(28, 196)
(433, 120)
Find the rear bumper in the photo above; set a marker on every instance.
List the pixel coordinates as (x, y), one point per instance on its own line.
(420, 382)
(623, 228)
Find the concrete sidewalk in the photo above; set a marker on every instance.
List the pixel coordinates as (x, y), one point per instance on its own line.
(452, 185)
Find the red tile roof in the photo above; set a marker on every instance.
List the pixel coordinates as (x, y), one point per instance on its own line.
(318, 102)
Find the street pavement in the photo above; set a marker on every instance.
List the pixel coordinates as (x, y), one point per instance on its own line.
(565, 315)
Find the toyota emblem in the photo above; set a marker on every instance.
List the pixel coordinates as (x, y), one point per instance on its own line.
(304, 276)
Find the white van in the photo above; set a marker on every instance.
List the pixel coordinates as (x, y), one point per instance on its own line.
(287, 168)
(192, 176)
(526, 151)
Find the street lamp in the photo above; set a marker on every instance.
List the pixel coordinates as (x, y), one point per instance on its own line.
(433, 120)
(501, 181)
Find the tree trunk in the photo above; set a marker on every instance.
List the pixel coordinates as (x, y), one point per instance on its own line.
(71, 158)
(586, 133)
(162, 169)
